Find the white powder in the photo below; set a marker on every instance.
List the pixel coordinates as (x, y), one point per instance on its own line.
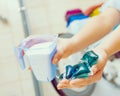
(41, 48)
(41, 45)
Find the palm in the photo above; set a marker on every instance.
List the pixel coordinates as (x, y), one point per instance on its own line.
(97, 70)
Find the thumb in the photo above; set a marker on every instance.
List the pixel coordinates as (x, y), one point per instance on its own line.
(57, 57)
(101, 61)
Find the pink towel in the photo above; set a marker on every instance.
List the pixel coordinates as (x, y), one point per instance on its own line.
(72, 12)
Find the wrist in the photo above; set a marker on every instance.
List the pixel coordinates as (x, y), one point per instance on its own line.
(101, 52)
(73, 45)
(67, 47)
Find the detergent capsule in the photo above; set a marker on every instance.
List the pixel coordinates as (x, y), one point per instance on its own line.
(83, 75)
(83, 68)
(80, 69)
(91, 57)
(61, 76)
(69, 71)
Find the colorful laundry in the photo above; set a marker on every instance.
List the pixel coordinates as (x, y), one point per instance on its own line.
(76, 17)
(72, 12)
(78, 14)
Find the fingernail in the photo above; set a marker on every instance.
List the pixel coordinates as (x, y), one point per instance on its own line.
(94, 69)
(29, 68)
(61, 87)
(58, 88)
(55, 61)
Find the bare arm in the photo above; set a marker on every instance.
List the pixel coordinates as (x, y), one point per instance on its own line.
(111, 44)
(95, 29)
(108, 46)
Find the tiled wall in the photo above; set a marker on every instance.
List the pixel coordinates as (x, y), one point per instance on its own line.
(47, 16)
(13, 81)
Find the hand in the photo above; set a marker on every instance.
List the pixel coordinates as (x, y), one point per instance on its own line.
(97, 73)
(64, 49)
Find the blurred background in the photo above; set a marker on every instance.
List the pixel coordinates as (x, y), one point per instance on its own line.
(19, 19)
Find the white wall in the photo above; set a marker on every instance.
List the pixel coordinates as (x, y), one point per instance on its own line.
(13, 81)
(47, 16)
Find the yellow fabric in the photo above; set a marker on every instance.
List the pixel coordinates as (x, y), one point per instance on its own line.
(95, 12)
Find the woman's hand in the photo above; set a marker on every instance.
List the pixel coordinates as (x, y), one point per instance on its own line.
(97, 73)
(64, 49)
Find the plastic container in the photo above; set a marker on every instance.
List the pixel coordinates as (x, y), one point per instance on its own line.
(38, 53)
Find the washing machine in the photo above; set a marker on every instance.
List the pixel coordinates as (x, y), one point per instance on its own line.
(50, 88)
(104, 87)
(109, 85)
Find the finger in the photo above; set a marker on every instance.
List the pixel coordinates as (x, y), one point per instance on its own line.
(100, 65)
(58, 54)
(57, 57)
(97, 67)
(64, 84)
(87, 81)
(65, 81)
(79, 86)
(61, 86)
(94, 78)
(76, 85)
(76, 82)
(101, 61)
(29, 68)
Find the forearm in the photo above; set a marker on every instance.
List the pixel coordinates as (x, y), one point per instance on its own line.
(111, 44)
(95, 29)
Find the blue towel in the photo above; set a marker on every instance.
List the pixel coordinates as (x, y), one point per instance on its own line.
(76, 17)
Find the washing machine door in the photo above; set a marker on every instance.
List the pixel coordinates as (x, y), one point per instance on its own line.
(73, 59)
(87, 91)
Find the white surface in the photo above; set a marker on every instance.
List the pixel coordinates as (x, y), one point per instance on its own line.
(39, 57)
(76, 25)
(111, 3)
(40, 49)
(104, 88)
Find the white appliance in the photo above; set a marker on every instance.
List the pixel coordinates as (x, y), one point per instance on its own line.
(101, 88)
